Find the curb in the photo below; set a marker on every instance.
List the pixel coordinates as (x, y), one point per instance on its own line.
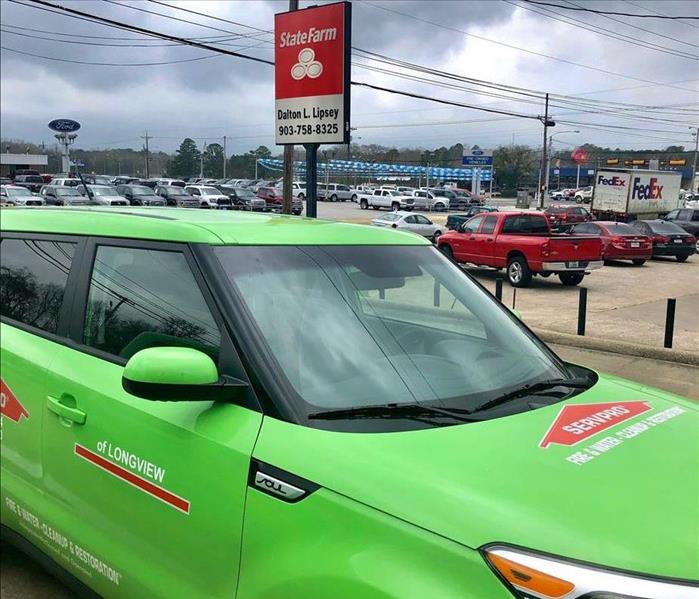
(619, 347)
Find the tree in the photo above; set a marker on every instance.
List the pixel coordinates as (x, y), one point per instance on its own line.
(213, 161)
(186, 160)
(515, 165)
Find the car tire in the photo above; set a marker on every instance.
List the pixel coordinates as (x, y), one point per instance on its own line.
(354, 198)
(638, 262)
(436, 235)
(439, 206)
(447, 251)
(681, 258)
(578, 200)
(395, 206)
(363, 204)
(333, 198)
(518, 272)
(570, 279)
(302, 197)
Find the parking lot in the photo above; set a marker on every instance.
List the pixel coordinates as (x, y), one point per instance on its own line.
(624, 302)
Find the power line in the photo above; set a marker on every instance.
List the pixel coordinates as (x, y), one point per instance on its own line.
(201, 14)
(609, 12)
(657, 12)
(511, 46)
(109, 64)
(608, 33)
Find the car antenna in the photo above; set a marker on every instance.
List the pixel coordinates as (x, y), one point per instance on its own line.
(87, 189)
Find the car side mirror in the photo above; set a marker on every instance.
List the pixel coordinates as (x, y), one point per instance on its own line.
(178, 374)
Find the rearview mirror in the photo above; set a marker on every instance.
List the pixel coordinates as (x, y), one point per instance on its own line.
(177, 374)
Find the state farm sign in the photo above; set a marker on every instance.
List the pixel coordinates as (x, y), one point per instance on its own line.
(311, 74)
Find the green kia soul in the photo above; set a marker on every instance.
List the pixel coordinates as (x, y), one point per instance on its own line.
(201, 404)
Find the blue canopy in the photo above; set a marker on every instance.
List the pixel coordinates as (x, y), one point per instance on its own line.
(375, 169)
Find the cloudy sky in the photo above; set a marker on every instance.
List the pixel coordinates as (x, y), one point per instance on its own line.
(606, 62)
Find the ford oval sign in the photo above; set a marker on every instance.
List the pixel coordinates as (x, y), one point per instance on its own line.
(64, 125)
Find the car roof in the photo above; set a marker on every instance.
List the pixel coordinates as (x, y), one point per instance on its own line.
(199, 226)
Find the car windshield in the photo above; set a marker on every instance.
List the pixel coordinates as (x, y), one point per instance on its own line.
(210, 191)
(391, 216)
(243, 193)
(374, 325)
(102, 191)
(66, 191)
(621, 229)
(32, 179)
(142, 190)
(22, 191)
(175, 191)
(664, 228)
(551, 209)
(102, 180)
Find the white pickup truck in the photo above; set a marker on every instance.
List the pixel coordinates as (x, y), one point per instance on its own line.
(385, 198)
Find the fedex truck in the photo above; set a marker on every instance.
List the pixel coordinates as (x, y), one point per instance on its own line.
(627, 195)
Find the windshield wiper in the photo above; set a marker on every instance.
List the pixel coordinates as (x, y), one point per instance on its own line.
(393, 410)
(574, 383)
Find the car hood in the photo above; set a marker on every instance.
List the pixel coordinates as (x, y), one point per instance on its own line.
(624, 497)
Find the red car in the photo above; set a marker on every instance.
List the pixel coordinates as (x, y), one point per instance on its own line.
(619, 241)
(274, 200)
(561, 217)
(522, 244)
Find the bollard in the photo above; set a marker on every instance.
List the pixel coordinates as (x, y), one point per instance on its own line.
(498, 288)
(514, 297)
(670, 321)
(582, 310)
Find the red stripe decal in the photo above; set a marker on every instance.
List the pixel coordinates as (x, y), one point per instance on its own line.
(133, 479)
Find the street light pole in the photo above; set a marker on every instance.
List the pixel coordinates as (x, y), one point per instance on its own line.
(695, 187)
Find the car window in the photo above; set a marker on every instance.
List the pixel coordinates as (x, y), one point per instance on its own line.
(620, 229)
(422, 220)
(411, 220)
(695, 215)
(33, 276)
(473, 224)
(143, 298)
(672, 215)
(525, 223)
(489, 224)
(420, 194)
(684, 215)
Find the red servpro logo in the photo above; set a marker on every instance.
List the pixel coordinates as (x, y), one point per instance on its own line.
(9, 404)
(577, 422)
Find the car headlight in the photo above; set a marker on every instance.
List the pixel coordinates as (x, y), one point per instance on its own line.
(533, 576)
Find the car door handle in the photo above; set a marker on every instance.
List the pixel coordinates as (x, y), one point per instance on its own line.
(64, 407)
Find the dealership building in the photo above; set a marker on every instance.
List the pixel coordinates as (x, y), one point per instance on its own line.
(10, 163)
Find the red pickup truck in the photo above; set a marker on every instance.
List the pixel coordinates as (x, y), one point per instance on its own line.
(523, 244)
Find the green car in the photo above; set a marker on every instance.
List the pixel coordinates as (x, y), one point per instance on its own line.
(270, 407)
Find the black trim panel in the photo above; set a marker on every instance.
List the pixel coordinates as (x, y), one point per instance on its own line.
(306, 485)
(15, 539)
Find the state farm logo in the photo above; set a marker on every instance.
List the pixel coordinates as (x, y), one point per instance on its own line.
(307, 66)
(10, 405)
(577, 422)
(612, 181)
(652, 191)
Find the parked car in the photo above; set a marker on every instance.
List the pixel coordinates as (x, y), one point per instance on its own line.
(96, 179)
(16, 195)
(668, 238)
(209, 197)
(426, 200)
(103, 195)
(140, 195)
(522, 243)
(385, 198)
(243, 198)
(561, 217)
(65, 181)
(274, 200)
(63, 195)
(456, 202)
(25, 171)
(619, 241)
(175, 182)
(319, 410)
(176, 196)
(407, 221)
(33, 183)
(468, 196)
(123, 180)
(687, 218)
(583, 195)
(47, 178)
(334, 192)
(6, 181)
(357, 189)
(454, 220)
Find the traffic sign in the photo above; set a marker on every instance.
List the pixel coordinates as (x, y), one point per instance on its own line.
(64, 125)
(312, 74)
(475, 156)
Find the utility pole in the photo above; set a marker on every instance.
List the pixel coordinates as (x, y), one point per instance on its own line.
(224, 156)
(544, 155)
(694, 184)
(146, 155)
(201, 161)
(289, 160)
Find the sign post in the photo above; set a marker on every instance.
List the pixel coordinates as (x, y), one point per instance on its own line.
(475, 156)
(312, 82)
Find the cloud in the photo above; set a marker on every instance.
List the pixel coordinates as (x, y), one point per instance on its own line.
(233, 97)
